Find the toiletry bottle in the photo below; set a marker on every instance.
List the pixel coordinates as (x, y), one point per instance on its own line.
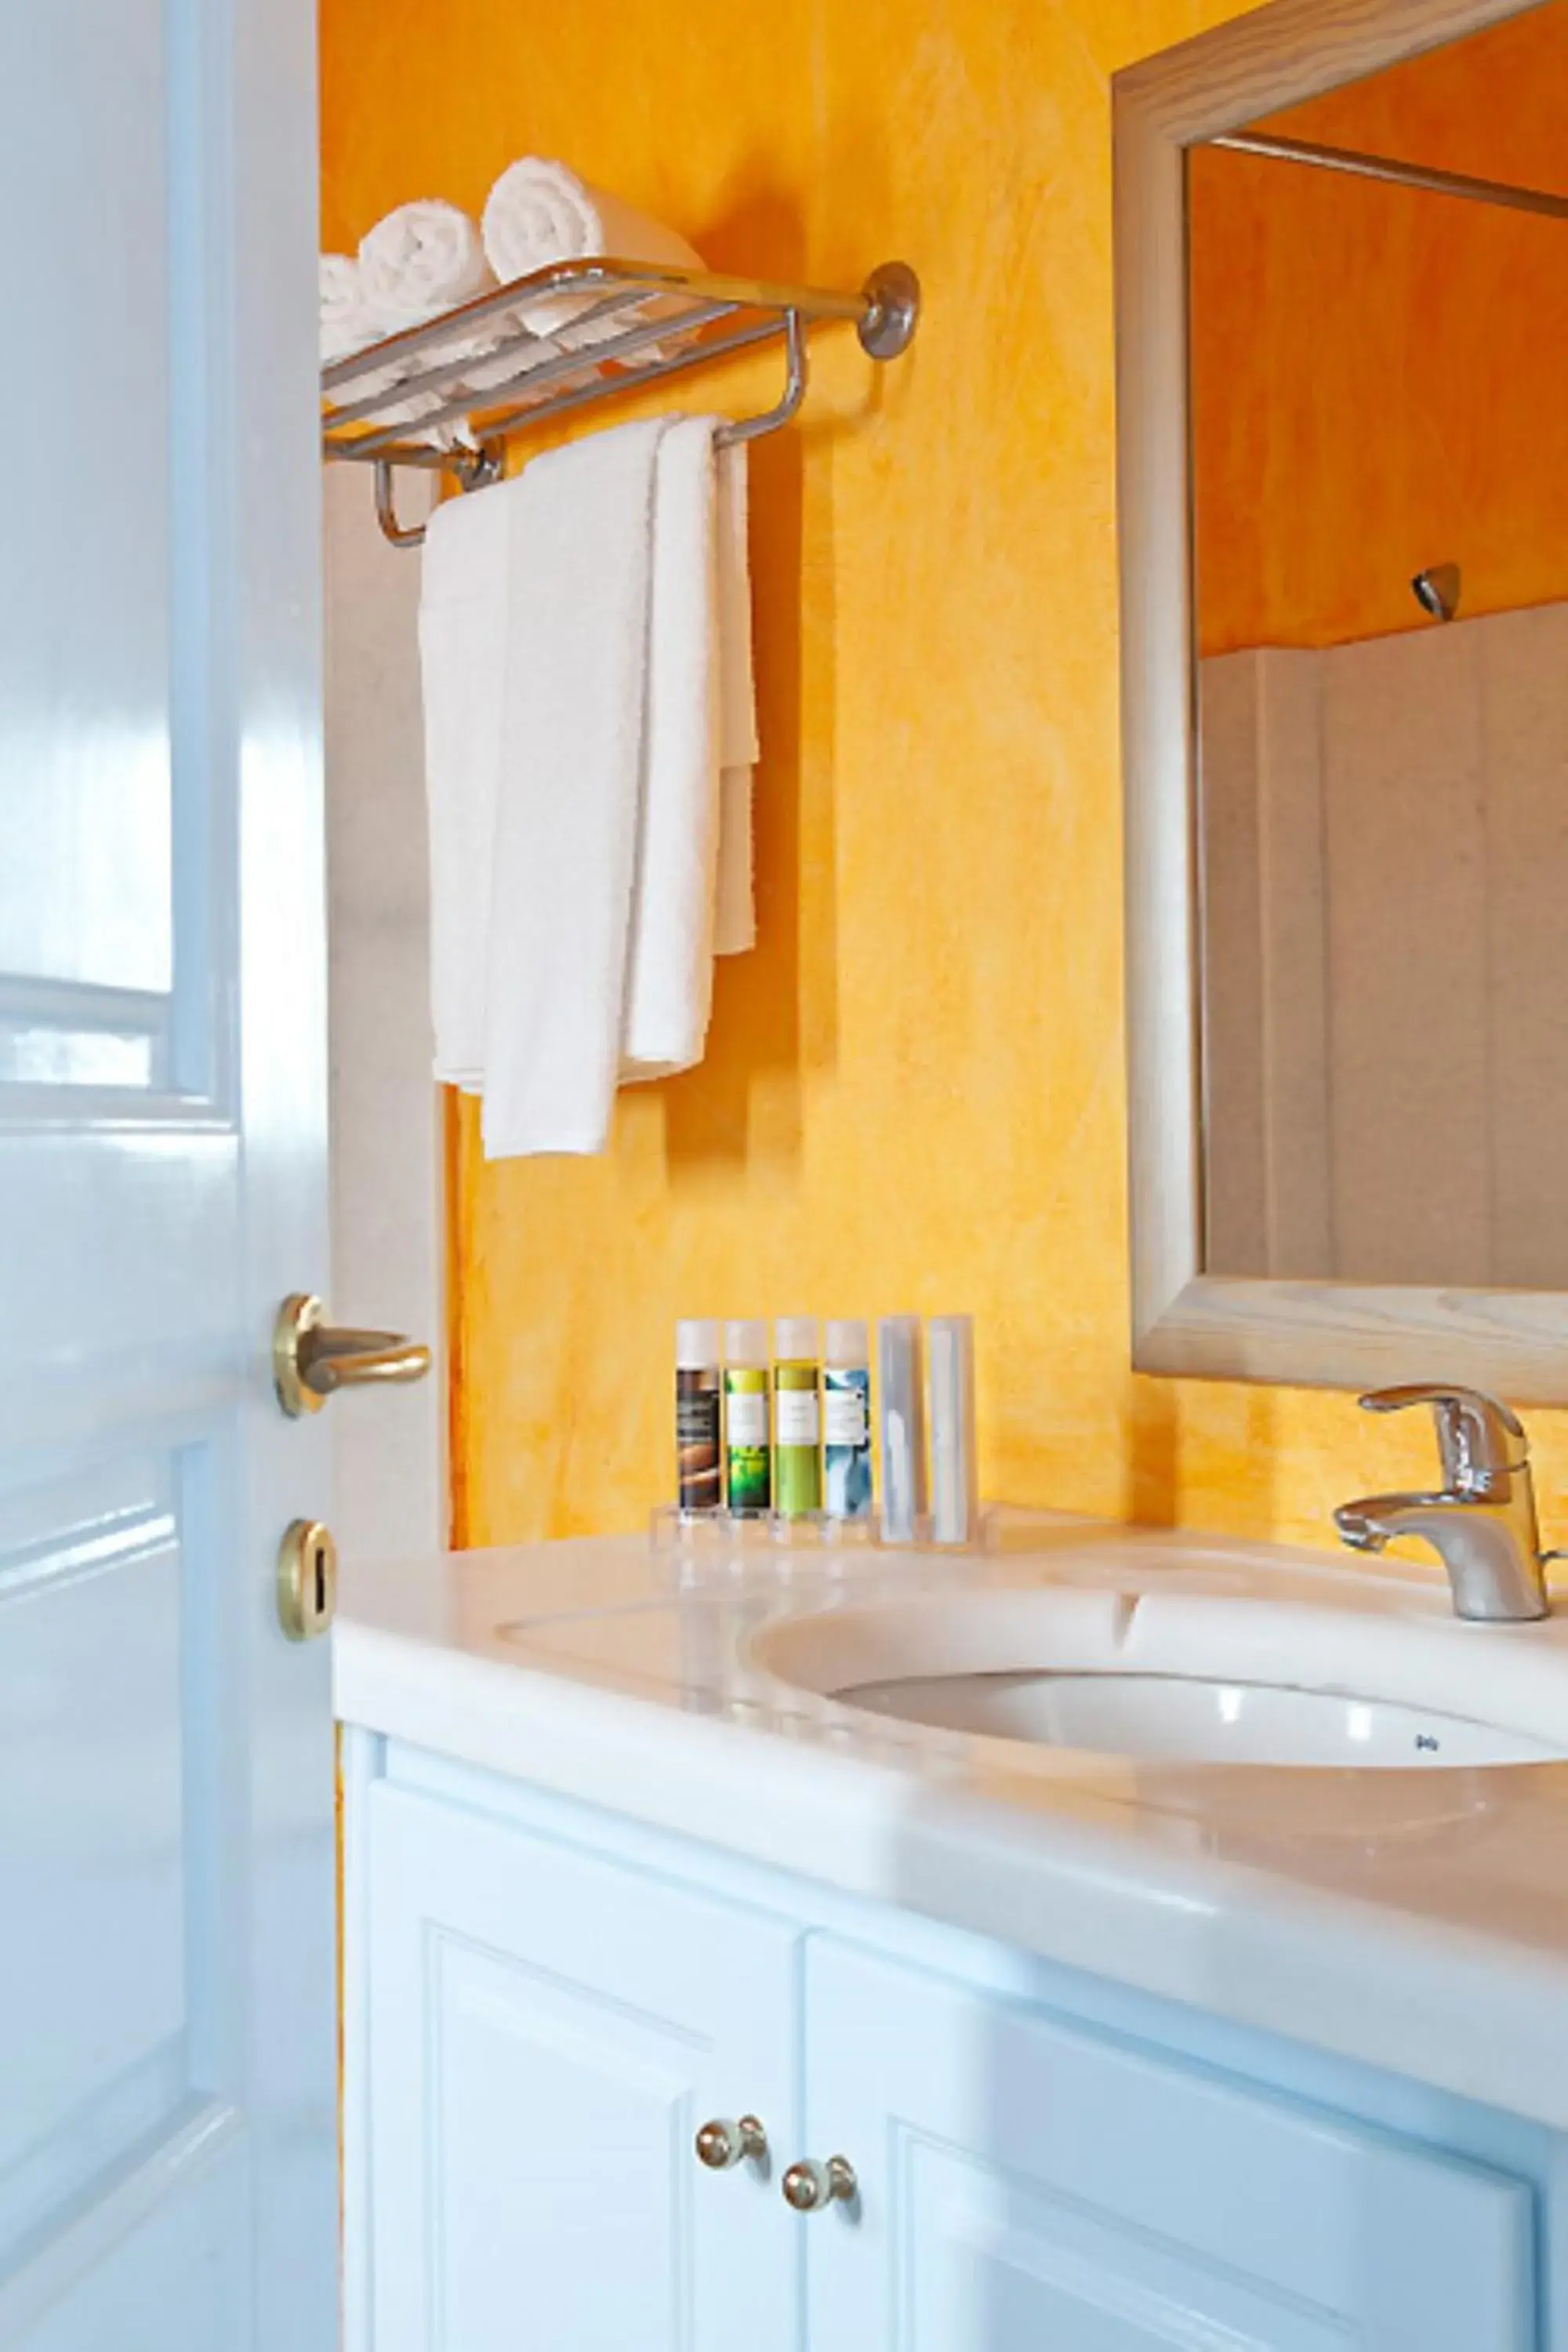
(748, 1460)
(846, 1421)
(797, 1461)
(954, 1479)
(697, 1404)
(900, 1404)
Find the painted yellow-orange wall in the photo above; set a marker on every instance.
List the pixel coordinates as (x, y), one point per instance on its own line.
(1378, 374)
(914, 1096)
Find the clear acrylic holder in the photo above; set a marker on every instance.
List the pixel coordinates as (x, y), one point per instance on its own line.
(752, 1532)
(731, 1541)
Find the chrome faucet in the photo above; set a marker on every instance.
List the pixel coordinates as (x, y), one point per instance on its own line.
(1482, 1523)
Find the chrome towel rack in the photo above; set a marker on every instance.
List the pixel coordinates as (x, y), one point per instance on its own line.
(447, 395)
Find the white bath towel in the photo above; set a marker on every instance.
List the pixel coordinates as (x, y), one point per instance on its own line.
(348, 323)
(422, 259)
(669, 969)
(494, 373)
(463, 650)
(575, 633)
(735, 920)
(540, 212)
(566, 837)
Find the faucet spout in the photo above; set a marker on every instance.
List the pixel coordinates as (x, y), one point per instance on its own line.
(1358, 1529)
(1371, 1522)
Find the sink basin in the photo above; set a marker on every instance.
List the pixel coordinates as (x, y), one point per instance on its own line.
(1181, 1719)
(1191, 1677)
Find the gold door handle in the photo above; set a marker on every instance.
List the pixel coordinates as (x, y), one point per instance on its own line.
(313, 1360)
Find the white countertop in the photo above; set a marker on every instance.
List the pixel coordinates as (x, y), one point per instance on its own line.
(1415, 1920)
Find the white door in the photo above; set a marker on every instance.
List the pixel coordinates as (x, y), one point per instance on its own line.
(166, 1934)
(1025, 2184)
(549, 2034)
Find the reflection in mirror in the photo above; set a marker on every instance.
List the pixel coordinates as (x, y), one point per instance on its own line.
(1380, 438)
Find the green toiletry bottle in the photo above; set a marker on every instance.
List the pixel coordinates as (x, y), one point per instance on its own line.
(748, 1455)
(797, 1418)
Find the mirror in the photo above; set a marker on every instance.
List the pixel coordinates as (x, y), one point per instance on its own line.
(1379, 477)
(1342, 258)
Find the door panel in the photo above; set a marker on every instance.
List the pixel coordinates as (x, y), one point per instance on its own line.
(93, 1830)
(92, 292)
(166, 2043)
(548, 2031)
(124, 2278)
(1025, 2183)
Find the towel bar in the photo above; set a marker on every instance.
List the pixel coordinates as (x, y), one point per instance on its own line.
(699, 319)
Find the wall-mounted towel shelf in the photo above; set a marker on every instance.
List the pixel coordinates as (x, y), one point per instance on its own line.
(448, 394)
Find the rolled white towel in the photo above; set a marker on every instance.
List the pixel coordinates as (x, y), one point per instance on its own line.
(422, 258)
(491, 371)
(347, 325)
(539, 212)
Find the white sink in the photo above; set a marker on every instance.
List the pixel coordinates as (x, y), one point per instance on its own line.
(1190, 1677)
(1179, 1719)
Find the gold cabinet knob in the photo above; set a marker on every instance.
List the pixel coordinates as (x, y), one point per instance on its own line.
(810, 2186)
(721, 2144)
(312, 1359)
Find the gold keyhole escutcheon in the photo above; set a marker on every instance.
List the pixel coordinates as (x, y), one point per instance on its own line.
(307, 1579)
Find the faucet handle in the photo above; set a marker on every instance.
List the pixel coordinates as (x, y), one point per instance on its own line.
(1477, 1437)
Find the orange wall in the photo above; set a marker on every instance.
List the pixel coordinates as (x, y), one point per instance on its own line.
(914, 1096)
(1378, 374)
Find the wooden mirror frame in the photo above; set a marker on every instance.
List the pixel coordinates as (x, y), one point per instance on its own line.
(1184, 1320)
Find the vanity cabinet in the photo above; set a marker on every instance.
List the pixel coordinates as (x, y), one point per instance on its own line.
(543, 2012)
(1024, 2184)
(547, 2033)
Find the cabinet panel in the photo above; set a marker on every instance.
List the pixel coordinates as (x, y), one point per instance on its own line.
(1025, 2183)
(548, 2031)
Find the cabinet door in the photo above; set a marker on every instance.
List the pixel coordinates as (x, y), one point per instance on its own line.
(1024, 2185)
(548, 2031)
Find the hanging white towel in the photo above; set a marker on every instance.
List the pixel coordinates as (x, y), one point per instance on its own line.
(540, 212)
(579, 573)
(735, 919)
(578, 630)
(463, 638)
(670, 972)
